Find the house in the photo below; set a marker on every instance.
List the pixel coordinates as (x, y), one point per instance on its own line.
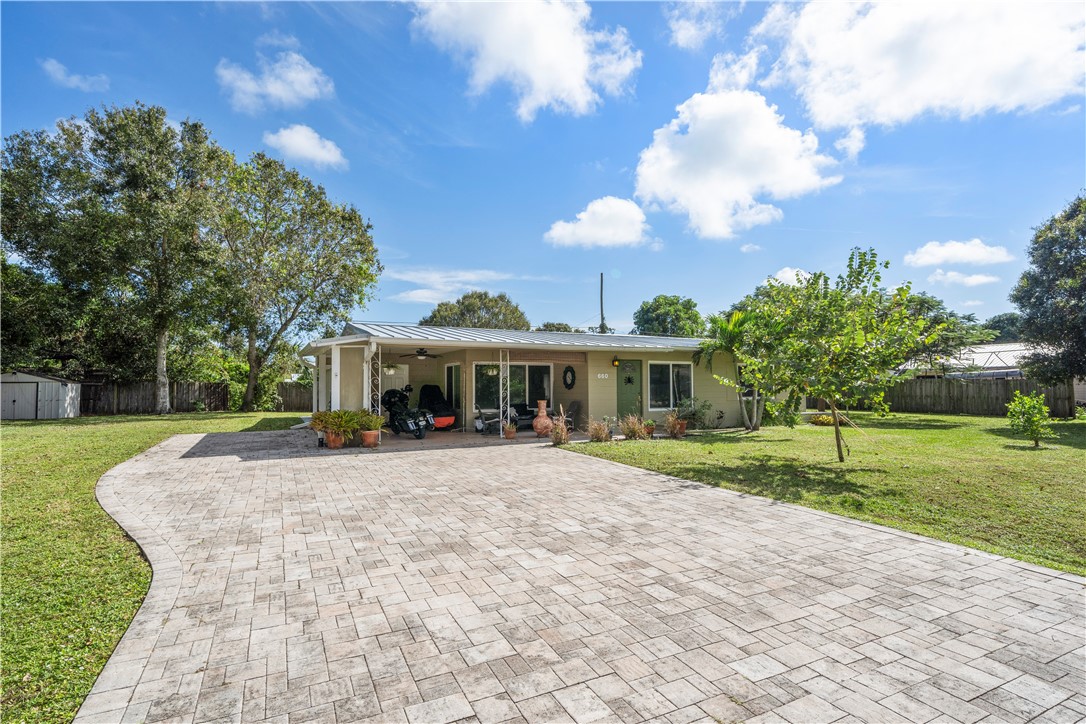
(608, 374)
(32, 396)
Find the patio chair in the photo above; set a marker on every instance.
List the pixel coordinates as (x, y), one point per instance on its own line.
(490, 422)
(572, 412)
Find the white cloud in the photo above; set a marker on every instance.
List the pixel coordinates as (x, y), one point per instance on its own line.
(301, 143)
(851, 143)
(290, 81)
(692, 23)
(790, 275)
(606, 222)
(973, 251)
(734, 72)
(59, 74)
(749, 248)
(966, 280)
(725, 152)
(973, 303)
(886, 63)
(439, 285)
(546, 50)
(277, 39)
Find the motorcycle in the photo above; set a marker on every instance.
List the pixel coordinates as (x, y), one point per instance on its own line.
(402, 418)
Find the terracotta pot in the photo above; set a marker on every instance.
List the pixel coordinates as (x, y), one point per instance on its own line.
(510, 434)
(682, 428)
(542, 424)
(371, 438)
(650, 430)
(333, 440)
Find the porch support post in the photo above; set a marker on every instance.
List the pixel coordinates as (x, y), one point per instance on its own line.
(367, 375)
(316, 384)
(334, 379)
(503, 385)
(322, 398)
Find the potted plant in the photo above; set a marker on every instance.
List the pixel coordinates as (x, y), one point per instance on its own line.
(650, 428)
(510, 430)
(675, 425)
(371, 425)
(317, 422)
(340, 425)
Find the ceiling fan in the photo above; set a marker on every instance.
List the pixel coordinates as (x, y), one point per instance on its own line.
(421, 353)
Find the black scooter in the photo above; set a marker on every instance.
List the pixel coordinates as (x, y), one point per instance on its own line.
(401, 418)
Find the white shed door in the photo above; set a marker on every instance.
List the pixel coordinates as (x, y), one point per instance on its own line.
(19, 400)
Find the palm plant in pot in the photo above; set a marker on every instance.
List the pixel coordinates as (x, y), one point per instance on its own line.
(510, 430)
(340, 425)
(371, 429)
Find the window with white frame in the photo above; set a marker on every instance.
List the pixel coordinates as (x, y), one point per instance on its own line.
(669, 384)
(527, 384)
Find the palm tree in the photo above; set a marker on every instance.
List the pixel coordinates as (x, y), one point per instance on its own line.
(726, 336)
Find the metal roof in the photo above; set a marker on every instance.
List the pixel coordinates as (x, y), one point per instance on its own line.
(446, 337)
(1005, 355)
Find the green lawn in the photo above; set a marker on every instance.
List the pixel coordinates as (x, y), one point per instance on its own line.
(72, 580)
(961, 479)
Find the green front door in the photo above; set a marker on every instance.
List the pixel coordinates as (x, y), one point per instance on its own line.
(629, 387)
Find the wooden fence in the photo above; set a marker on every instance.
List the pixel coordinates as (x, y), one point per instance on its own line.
(974, 396)
(296, 397)
(135, 398)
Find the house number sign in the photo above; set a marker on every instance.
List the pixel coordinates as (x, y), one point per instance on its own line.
(602, 375)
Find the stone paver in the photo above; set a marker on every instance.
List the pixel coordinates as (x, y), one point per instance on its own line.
(525, 583)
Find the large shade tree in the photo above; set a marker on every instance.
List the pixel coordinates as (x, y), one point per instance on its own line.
(669, 316)
(291, 261)
(115, 205)
(946, 333)
(478, 309)
(1051, 295)
(1006, 326)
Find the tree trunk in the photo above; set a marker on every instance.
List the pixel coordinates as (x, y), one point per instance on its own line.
(837, 432)
(743, 408)
(253, 357)
(755, 408)
(162, 382)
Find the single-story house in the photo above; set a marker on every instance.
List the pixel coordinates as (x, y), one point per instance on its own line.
(608, 374)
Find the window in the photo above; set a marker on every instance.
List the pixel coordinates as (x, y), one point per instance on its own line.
(670, 383)
(527, 383)
(452, 385)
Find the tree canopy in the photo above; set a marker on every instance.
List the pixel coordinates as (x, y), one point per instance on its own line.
(669, 316)
(1051, 295)
(947, 333)
(291, 261)
(114, 205)
(558, 327)
(480, 310)
(1006, 326)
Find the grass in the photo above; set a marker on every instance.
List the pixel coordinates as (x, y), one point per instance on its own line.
(72, 579)
(961, 479)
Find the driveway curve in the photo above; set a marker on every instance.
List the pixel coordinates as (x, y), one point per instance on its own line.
(526, 583)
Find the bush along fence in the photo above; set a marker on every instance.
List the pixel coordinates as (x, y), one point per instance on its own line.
(974, 396)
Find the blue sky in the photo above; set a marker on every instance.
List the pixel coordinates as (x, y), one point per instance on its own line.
(690, 149)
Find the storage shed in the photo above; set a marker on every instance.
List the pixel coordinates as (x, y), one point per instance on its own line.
(29, 396)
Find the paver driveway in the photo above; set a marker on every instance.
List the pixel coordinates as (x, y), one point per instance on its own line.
(499, 583)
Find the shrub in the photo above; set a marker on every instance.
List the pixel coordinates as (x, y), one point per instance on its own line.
(822, 420)
(343, 422)
(673, 423)
(560, 433)
(695, 412)
(632, 427)
(1029, 416)
(598, 431)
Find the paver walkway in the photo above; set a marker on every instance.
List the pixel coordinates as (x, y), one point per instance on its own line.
(529, 583)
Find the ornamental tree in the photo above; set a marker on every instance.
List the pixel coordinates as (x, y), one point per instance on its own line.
(838, 340)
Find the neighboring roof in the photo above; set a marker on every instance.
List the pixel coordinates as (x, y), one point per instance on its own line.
(446, 337)
(20, 376)
(1002, 356)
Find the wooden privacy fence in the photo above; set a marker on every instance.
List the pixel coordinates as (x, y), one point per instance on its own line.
(135, 398)
(296, 397)
(974, 396)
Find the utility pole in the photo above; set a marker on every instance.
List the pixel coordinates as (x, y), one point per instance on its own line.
(604, 329)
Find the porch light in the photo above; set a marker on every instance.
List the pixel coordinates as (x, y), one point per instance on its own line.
(492, 371)
(614, 361)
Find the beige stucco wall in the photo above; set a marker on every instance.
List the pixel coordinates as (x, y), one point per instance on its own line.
(603, 384)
